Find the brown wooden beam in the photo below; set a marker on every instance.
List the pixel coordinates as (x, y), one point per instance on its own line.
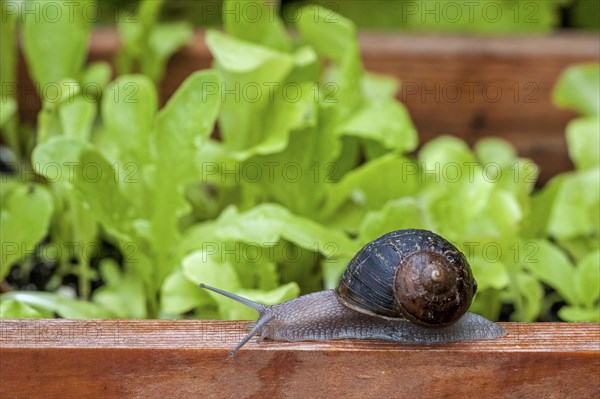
(151, 358)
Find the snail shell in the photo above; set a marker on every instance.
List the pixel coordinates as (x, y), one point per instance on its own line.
(411, 274)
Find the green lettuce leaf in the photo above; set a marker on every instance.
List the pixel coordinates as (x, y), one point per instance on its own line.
(8, 89)
(369, 184)
(129, 104)
(587, 279)
(578, 88)
(528, 298)
(163, 41)
(147, 44)
(263, 227)
(25, 217)
(583, 140)
(253, 78)
(386, 122)
(576, 210)
(181, 127)
(256, 21)
(12, 309)
(202, 267)
(552, 266)
(55, 47)
(179, 294)
(55, 303)
(123, 294)
(96, 182)
(579, 314)
(402, 213)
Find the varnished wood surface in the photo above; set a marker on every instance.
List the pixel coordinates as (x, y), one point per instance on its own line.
(467, 86)
(146, 358)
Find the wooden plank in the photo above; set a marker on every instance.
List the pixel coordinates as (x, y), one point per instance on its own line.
(152, 358)
(467, 86)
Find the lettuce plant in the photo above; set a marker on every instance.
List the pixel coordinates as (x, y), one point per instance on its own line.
(567, 209)
(265, 174)
(147, 44)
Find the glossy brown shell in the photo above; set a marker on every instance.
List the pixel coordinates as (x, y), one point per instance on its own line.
(412, 274)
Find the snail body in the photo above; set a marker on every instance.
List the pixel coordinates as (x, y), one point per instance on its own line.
(407, 286)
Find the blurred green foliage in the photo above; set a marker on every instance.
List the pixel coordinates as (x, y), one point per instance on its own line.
(314, 158)
(466, 16)
(463, 16)
(585, 14)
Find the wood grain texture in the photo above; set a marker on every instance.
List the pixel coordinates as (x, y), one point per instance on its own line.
(149, 358)
(466, 86)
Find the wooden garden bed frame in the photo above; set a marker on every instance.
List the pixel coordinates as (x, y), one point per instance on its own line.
(466, 86)
(181, 359)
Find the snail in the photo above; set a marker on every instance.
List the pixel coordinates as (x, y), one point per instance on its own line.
(407, 286)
